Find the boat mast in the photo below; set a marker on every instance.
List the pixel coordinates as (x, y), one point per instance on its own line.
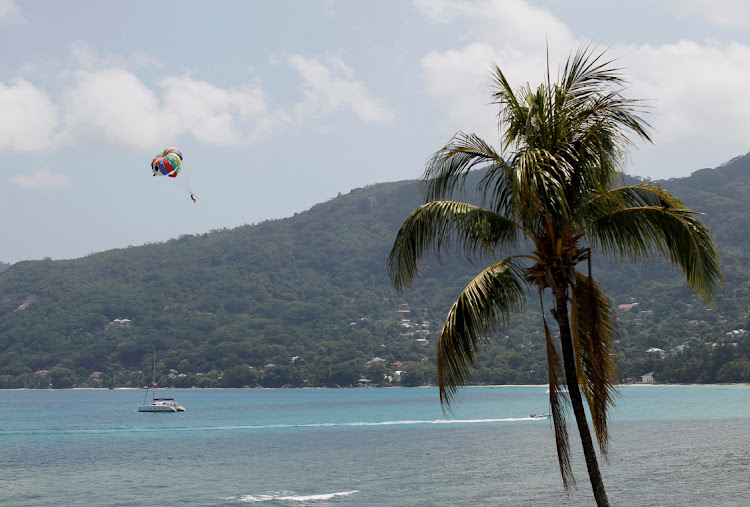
(153, 382)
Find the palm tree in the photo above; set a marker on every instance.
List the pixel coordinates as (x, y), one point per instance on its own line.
(551, 199)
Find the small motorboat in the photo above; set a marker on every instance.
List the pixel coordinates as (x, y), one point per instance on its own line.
(539, 416)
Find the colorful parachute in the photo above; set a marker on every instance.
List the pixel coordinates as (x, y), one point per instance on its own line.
(168, 163)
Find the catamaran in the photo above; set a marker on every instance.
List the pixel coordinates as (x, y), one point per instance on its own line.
(158, 404)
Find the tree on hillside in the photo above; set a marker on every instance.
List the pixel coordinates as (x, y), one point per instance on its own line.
(551, 199)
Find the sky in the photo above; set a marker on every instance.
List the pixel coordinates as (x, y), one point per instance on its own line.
(278, 105)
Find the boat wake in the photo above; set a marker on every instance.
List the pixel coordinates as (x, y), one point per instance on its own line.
(179, 428)
(288, 497)
(361, 423)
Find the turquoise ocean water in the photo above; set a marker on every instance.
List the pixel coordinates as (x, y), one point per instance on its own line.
(670, 445)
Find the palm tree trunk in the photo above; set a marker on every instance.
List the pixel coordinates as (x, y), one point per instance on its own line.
(560, 314)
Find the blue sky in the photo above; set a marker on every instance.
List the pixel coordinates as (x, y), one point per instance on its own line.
(279, 105)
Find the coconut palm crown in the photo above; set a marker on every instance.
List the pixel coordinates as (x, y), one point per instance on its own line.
(552, 198)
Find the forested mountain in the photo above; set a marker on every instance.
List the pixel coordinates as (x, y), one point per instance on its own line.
(306, 301)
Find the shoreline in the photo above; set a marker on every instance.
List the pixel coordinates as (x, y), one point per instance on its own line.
(499, 386)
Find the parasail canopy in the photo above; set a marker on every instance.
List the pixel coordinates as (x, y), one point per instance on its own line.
(167, 163)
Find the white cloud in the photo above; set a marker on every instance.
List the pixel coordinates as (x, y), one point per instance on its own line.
(732, 13)
(512, 34)
(459, 81)
(29, 117)
(100, 101)
(330, 85)
(699, 91)
(9, 9)
(115, 107)
(329, 7)
(501, 22)
(43, 178)
(216, 115)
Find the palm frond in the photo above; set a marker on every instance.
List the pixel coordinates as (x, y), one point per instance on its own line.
(643, 194)
(447, 226)
(514, 111)
(486, 302)
(657, 224)
(448, 168)
(593, 322)
(570, 138)
(588, 72)
(593, 86)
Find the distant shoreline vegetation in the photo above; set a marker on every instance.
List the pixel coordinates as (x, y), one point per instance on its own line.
(315, 287)
(473, 386)
(359, 385)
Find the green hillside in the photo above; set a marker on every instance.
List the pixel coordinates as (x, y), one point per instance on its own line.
(306, 301)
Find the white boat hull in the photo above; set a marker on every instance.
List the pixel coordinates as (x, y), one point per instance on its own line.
(159, 404)
(162, 405)
(156, 408)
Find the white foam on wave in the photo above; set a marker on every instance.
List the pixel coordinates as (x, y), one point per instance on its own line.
(289, 497)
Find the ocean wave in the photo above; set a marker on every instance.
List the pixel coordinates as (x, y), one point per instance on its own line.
(289, 497)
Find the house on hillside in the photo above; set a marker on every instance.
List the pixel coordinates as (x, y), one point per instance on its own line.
(120, 323)
(677, 349)
(655, 350)
(736, 333)
(627, 306)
